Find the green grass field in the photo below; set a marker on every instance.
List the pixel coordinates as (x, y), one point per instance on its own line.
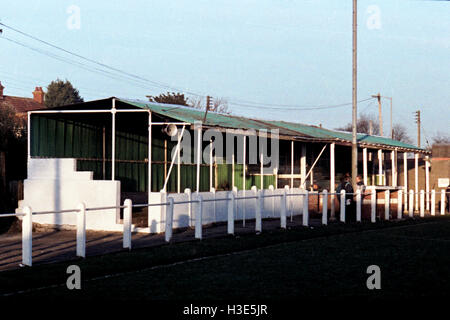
(330, 262)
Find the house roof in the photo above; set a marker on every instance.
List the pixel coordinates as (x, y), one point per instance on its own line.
(291, 130)
(20, 104)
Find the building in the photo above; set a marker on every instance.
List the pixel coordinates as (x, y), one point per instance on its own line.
(103, 151)
(21, 105)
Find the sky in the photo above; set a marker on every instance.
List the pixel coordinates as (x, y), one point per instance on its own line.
(268, 58)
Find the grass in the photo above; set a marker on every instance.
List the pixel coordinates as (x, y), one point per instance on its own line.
(302, 262)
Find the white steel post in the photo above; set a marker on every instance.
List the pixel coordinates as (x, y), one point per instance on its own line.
(244, 160)
(394, 168)
(332, 180)
(179, 168)
(365, 166)
(399, 204)
(427, 183)
(199, 152)
(342, 213)
(283, 210)
(231, 205)
(387, 204)
(358, 205)
(292, 164)
(113, 143)
(127, 218)
(149, 173)
(416, 180)
(380, 168)
(27, 237)
(373, 205)
(258, 213)
(303, 165)
(325, 207)
(422, 203)
(211, 164)
(262, 170)
(189, 196)
(81, 230)
(213, 191)
(198, 218)
(433, 202)
(411, 203)
(305, 214)
(405, 178)
(169, 220)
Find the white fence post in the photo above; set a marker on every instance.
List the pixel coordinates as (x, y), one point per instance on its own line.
(27, 236)
(399, 204)
(198, 218)
(273, 200)
(189, 195)
(433, 202)
(231, 207)
(283, 210)
(325, 207)
(127, 211)
(235, 192)
(305, 208)
(258, 213)
(411, 203)
(169, 220)
(373, 205)
(358, 205)
(81, 230)
(422, 203)
(442, 202)
(213, 191)
(342, 213)
(254, 190)
(387, 204)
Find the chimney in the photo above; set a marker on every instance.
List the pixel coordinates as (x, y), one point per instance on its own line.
(1, 90)
(38, 95)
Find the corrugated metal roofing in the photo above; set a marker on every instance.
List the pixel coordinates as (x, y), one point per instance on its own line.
(296, 130)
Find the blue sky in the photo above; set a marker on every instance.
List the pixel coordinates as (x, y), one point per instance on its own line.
(275, 52)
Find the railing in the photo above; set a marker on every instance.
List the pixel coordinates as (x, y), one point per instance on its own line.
(27, 220)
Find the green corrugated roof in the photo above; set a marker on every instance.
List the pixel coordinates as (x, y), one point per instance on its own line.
(190, 115)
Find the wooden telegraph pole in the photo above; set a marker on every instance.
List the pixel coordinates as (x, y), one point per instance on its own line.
(354, 101)
(418, 127)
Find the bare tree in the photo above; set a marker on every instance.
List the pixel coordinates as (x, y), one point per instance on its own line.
(400, 133)
(219, 105)
(363, 125)
(441, 138)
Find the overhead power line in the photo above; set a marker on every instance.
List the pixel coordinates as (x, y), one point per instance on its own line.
(144, 83)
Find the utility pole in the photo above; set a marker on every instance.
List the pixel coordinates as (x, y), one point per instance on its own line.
(392, 128)
(418, 127)
(380, 118)
(354, 100)
(208, 104)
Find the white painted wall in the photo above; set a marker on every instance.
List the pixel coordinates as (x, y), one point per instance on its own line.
(54, 184)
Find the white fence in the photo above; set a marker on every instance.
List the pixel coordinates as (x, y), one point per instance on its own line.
(280, 203)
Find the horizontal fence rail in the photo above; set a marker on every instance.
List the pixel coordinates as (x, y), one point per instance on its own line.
(345, 199)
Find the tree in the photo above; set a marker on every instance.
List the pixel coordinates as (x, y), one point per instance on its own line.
(441, 138)
(169, 98)
(11, 127)
(363, 125)
(60, 93)
(400, 133)
(219, 105)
